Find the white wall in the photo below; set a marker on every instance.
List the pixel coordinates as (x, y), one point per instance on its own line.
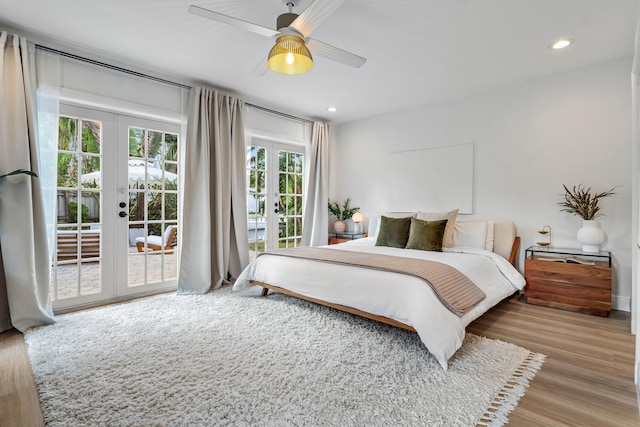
(99, 87)
(529, 140)
(274, 127)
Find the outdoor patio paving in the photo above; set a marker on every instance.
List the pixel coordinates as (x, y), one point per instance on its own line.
(66, 277)
(67, 274)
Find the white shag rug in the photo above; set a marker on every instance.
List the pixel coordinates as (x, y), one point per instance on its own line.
(235, 359)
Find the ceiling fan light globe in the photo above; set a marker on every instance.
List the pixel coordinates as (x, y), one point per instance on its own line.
(289, 58)
(290, 55)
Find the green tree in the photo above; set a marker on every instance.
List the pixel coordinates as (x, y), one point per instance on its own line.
(78, 153)
(73, 213)
(145, 144)
(257, 165)
(257, 176)
(68, 160)
(171, 150)
(290, 194)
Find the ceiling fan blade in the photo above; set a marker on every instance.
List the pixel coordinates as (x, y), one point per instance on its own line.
(262, 68)
(335, 54)
(313, 16)
(239, 23)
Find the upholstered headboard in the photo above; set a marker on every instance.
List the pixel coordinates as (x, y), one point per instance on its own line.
(504, 235)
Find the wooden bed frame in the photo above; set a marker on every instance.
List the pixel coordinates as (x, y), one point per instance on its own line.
(266, 287)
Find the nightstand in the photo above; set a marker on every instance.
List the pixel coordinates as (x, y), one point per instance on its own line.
(569, 279)
(345, 236)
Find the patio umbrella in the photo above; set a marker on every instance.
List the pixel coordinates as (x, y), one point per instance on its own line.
(138, 170)
(137, 174)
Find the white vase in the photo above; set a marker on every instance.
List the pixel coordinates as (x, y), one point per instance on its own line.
(590, 236)
(339, 226)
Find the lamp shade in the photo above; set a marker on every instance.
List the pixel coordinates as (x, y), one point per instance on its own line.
(357, 217)
(290, 55)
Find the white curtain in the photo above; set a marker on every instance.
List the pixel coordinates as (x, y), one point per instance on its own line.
(23, 231)
(215, 246)
(49, 82)
(316, 215)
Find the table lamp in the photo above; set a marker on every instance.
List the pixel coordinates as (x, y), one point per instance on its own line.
(357, 219)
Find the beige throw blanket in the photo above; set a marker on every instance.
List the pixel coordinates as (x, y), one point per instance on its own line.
(455, 290)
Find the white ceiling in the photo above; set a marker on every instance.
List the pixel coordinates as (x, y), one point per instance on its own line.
(418, 51)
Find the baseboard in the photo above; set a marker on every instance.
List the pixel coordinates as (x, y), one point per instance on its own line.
(621, 303)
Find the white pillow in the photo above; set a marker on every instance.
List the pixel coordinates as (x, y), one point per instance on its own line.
(470, 234)
(450, 216)
(488, 244)
(374, 226)
(399, 214)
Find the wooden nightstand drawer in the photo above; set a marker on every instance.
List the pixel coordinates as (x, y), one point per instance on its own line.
(575, 298)
(597, 276)
(575, 287)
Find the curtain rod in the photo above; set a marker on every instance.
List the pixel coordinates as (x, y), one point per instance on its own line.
(111, 67)
(279, 113)
(157, 79)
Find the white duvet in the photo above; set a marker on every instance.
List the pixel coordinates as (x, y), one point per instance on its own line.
(400, 297)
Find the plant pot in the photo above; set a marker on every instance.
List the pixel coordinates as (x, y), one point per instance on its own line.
(590, 236)
(339, 226)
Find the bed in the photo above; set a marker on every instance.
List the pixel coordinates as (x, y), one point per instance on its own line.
(484, 251)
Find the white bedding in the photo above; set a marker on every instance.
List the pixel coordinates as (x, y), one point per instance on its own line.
(400, 297)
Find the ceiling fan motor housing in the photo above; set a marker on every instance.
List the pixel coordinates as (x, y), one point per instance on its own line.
(285, 20)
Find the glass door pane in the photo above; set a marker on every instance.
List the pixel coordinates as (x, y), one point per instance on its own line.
(152, 196)
(274, 186)
(257, 199)
(290, 187)
(78, 258)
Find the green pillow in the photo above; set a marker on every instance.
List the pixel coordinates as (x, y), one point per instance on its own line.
(426, 235)
(394, 232)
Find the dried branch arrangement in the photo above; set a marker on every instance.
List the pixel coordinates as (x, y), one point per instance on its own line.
(579, 201)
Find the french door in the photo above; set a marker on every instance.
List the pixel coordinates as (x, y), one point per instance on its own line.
(117, 207)
(275, 193)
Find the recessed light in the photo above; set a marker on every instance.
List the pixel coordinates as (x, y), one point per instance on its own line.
(561, 44)
(332, 109)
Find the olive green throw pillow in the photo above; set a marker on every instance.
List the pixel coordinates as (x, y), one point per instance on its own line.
(394, 232)
(426, 235)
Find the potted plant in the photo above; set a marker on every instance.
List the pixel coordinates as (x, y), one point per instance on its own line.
(579, 201)
(342, 213)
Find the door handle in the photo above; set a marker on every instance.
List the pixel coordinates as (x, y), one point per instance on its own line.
(122, 214)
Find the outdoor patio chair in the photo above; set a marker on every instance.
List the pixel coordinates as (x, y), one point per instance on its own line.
(67, 244)
(167, 241)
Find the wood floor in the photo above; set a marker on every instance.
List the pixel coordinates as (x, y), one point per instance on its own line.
(587, 379)
(19, 402)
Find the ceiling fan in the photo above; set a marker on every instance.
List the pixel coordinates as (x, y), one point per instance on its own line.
(291, 53)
